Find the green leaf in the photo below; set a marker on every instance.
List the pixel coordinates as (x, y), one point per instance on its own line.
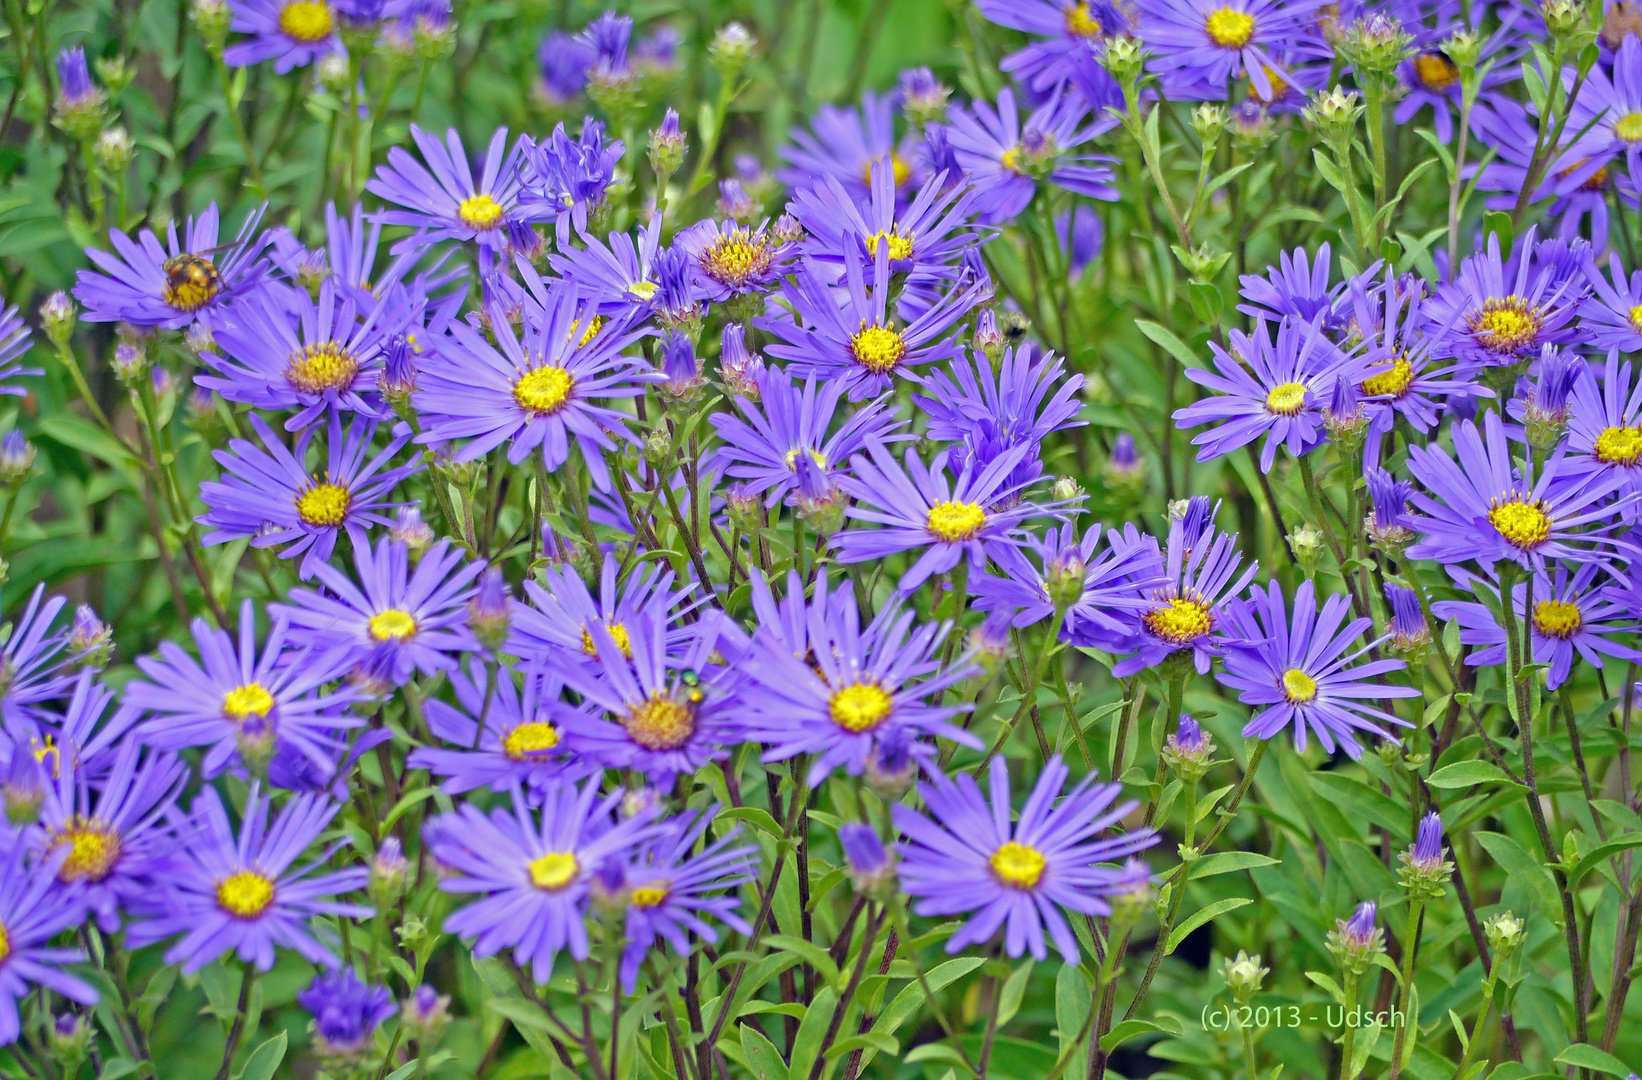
(264, 1060)
(813, 954)
(1128, 1029)
(884, 1044)
(1600, 853)
(1171, 344)
(405, 803)
(762, 1057)
(1198, 918)
(115, 1068)
(1464, 774)
(1498, 222)
(404, 1070)
(1527, 870)
(1014, 989)
(756, 816)
(806, 1045)
(1229, 862)
(911, 998)
(1587, 1056)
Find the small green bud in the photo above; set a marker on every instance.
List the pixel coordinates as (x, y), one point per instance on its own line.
(1244, 975)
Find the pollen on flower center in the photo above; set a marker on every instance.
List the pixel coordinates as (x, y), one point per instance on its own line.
(1557, 618)
(593, 326)
(544, 390)
(1435, 71)
(324, 505)
(878, 348)
(1635, 318)
(897, 165)
(953, 521)
(737, 258)
(1298, 687)
(191, 282)
(530, 737)
(314, 369)
(1393, 382)
(1012, 160)
(1180, 621)
(306, 21)
(553, 871)
(1229, 28)
(1286, 399)
(94, 848)
(250, 699)
(649, 896)
(392, 625)
(792, 458)
(1505, 324)
(1081, 22)
(661, 723)
(900, 247)
(1018, 865)
(618, 634)
(1629, 127)
(860, 707)
(480, 212)
(1619, 446)
(644, 290)
(245, 895)
(1523, 525)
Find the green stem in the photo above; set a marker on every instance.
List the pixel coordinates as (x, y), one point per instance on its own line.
(252, 166)
(1411, 941)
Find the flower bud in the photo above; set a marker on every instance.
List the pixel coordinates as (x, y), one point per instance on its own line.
(1134, 893)
(113, 150)
(990, 642)
(1545, 414)
(1410, 636)
(1388, 525)
(737, 366)
(870, 866)
(130, 363)
(1565, 19)
(923, 98)
(684, 382)
(1424, 871)
(1209, 120)
(746, 509)
(1063, 577)
(490, 612)
(1505, 932)
(409, 529)
(17, 456)
(22, 787)
(730, 50)
(1307, 545)
(786, 230)
(1464, 47)
(1189, 751)
(1334, 113)
(90, 640)
(658, 447)
(1375, 45)
(1355, 942)
(388, 874)
(1251, 126)
(57, 317)
(211, 19)
(70, 1037)
(1125, 469)
(668, 145)
(890, 767)
(426, 1012)
(1066, 489)
(1244, 975)
(256, 742)
(734, 202)
(1344, 418)
(637, 802)
(81, 107)
(332, 72)
(988, 337)
(415, 928)
(1124, 58)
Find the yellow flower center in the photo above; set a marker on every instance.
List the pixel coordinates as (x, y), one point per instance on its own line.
(1505, 325)
(530, 737)
(480, 212)
(902, 171)
(553, 871)
(392, 625)
(306, 21)
(792, 458)
(191, 281)
(1229, 28)
(1286, 399)
(737, 258)
(644, 290)
(245, 895)
(593, 327)
(544, 390)
(5, 943)
(1279, 88)
(1523, 525)
(1081, 22)
(1435, 71)
(860, 707)
(953, 521)
(1017, 865)
(878, 348)
(1619, 445)
(1636, 318)
(900, 247)
(1180, 621)
(1629, 128)
(618, 634)
(248, 700)
(315, 369)
(1556, 618)
(1393, 382)
(1298, 687)
(94, 847)
(1012, 160)
(661, 723)
(649, 896)
(324, 505)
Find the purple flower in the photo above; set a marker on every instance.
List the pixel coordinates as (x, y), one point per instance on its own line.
(171, 287)
(346, 1012)
(1295, 286)
(15, 342)
(1494, 317)
(442, 199)
(1612, 318)
(1605, 426)
(1298, 674)
(1607, 114)
(556, 626)
(994, 409)
(1360, 931)
(237, 891)
(1402, 377)
(866, 860)
(562, 178)
(728, 259)
(1428, 844)
(1098, 591)
(32, 912)
(1388, 521)
(1074, 30)
(844, 143)
(75, 89)
(291, 33)
(927, 235)
(1003, 157)
(31, 671)
(622, 275)
(564, 61)
(1203, 44)
(1430, 78)
(969, 857)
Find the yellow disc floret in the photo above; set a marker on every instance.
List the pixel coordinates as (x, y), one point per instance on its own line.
(1629, 127)
(247, 700)
(530, 737)
(306, 21)
(1229, 28)
(737, 258)
(480, 212)
(1619, 445)
(661, 722)
(878, 348)
(1523, 525)
(1435, 71)
(392, 625)
(93, 849)
(544, 390)
(644, 290)
(618, 634)
(245, 895)
(1557, 618)
(900, 247)
(1393, 382)
(1298, 687)
(1017, 865)
(860, 707)
(324, 505)
(954, 521)
(314, 369)
(1081, 22)
(553, 871)
(1180, 621)
(649, 896)
(1505, 324)
(1286, 399)
(5, 943)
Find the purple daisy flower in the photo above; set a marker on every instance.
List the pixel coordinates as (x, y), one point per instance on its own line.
(112, 827)
(32, 912)
(1608, 116)
(788, 422)
(925, 236)
(270, 496)
(442, 199)
(1494, 317)
(1073, 29)
(990, 410)
(1001, 156)
(520, 742)
(556, 626)
(291, 33)
(15, 341)
(279, 349)
(1017, 876)
(669, 887)
(1204, 44)
(396, 621)
(1481, 508)
(535, 393)
(622, 274)
(236, 702)
(857, 341)
(30, 667)
(1104, 589)
(564, 62)
(1298, 674)
(561, 179)
(844, 143)
(1402, 377)
(1568, 617)
(857, 693)
(532, 875)
(1296, 285)
(171, 287)
(922, 507)
(1611, 318)
(237, 891)
(346, 1012)
(1270, 389)
(1431, 79)
(1605, 425)
(1512, 133)
(728, 259)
